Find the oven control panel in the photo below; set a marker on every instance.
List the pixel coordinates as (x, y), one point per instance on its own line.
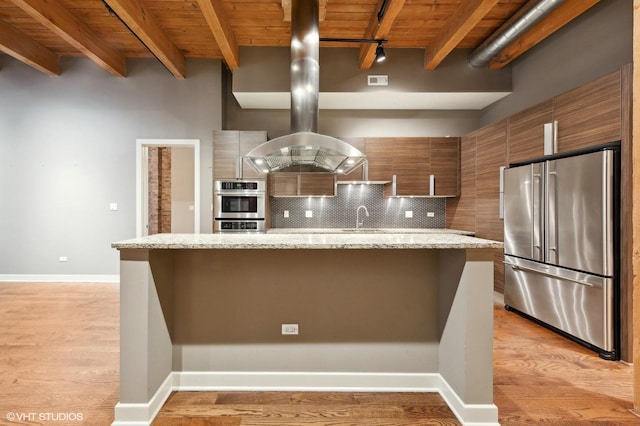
(239, 226)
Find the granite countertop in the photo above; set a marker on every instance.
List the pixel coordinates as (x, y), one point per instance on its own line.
(356, 240)
(368, 230)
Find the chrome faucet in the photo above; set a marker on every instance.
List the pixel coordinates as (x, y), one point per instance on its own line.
(358, 222)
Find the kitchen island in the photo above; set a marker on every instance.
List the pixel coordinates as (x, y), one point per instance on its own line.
(377, 311)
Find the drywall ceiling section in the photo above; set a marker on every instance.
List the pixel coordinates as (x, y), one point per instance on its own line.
(376, 101)
(262, 81)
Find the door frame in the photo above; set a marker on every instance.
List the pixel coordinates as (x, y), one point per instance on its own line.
(142, 170)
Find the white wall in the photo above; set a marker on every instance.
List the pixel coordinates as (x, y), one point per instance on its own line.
(67, 150)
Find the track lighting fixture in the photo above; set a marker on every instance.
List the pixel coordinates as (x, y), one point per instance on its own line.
(383, 9)
(380, 55)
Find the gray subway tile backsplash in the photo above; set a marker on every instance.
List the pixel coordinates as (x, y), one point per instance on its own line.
(339, 211)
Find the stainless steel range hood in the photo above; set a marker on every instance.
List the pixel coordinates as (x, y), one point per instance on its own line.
(305, 150)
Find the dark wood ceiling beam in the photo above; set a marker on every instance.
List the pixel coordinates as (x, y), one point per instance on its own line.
(379, 30)
(464, 20)
(64, 24)
(559, 17)
(141, 22)
(213, 13)
(27, 50)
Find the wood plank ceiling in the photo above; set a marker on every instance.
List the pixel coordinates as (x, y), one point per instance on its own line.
(39, 32)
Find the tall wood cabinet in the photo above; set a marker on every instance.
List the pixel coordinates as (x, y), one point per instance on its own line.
(589, 115)
(229, 146)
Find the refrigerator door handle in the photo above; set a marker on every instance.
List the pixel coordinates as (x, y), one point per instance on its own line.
(551, 218)
(546, 274)
(536, 246)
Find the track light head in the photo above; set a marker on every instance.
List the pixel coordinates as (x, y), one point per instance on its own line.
(380, 55)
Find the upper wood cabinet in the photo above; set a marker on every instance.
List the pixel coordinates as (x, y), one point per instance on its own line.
(229, 146)
(301, 184)
(526, 132)
(590, 114)
(380, 154)
(413, 161)
(412, 165)
(586, 116)
(445, 165)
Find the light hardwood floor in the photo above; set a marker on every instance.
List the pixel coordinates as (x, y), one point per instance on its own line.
(59, 356)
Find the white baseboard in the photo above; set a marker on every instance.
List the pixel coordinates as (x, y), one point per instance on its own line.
(45, 278)
(468, 414)
(143, 414)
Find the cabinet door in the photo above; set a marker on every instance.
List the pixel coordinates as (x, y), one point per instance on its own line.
(490, 156)
(316, 184)
(590, 114)
(445, 165)
(461, 211)
(300, 184)
(379, 153)
(248, 141)
(525, 138)
(412, 165)
(283, 184)
(225, 154)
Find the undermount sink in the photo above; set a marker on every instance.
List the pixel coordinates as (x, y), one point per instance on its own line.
(366, 230)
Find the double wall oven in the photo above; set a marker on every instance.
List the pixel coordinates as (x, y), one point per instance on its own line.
(239, 206)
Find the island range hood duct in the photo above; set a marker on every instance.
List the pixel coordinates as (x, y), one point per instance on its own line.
(304, 149)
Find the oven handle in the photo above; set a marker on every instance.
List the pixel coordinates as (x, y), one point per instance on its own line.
(241, 193)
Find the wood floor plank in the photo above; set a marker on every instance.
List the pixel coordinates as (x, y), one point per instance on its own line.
(59, 352)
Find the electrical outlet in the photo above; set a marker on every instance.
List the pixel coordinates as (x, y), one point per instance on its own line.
(113, 207)
(408, 214)
(431, 214)
(62, 258)
(308, 213)
(290, 329)
(286, 213)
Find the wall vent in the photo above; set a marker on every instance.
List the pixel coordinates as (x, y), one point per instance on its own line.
(377, 80)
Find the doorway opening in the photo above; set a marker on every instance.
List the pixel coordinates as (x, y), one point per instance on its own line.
(167, 186)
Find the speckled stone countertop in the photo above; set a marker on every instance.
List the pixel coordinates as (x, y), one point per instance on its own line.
(368, 230)
(346, 240)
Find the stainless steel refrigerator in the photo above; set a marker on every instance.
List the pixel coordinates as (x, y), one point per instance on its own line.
(561, 244)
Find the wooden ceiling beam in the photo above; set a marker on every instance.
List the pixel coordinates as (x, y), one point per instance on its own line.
(141, 22)
(64, 24)
(379, 30)
(464, 20)
(559, 17)
(213, 12)
(17, 44)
